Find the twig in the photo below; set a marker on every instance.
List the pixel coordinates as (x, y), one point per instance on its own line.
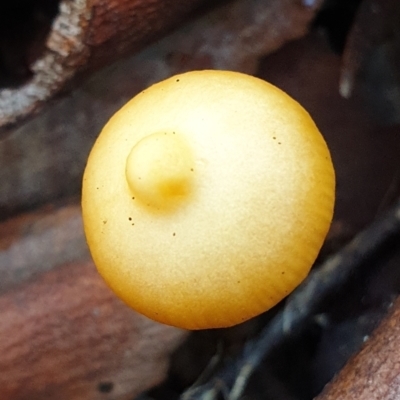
(300, 307)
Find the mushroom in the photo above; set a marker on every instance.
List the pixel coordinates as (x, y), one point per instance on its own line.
(207, 198)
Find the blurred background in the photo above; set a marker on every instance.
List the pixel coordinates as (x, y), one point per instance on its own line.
(65, 68)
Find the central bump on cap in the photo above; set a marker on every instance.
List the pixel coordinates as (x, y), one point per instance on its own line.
(159, 170)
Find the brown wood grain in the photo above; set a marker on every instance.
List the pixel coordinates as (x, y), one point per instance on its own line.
(36, 242)
(374, 373)
(63, 333)
(65, 336)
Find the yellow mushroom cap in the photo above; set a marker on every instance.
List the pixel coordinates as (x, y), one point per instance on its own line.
(207, 198)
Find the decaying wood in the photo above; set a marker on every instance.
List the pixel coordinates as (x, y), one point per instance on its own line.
(374, 373)
(85, 35)
(63, 333)
(66, 336)
(33, 243)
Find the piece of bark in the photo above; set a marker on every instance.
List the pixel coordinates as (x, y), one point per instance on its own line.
(33, 243)
(66, 336)
(374, 373)
(85, 35)
(44, 158)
